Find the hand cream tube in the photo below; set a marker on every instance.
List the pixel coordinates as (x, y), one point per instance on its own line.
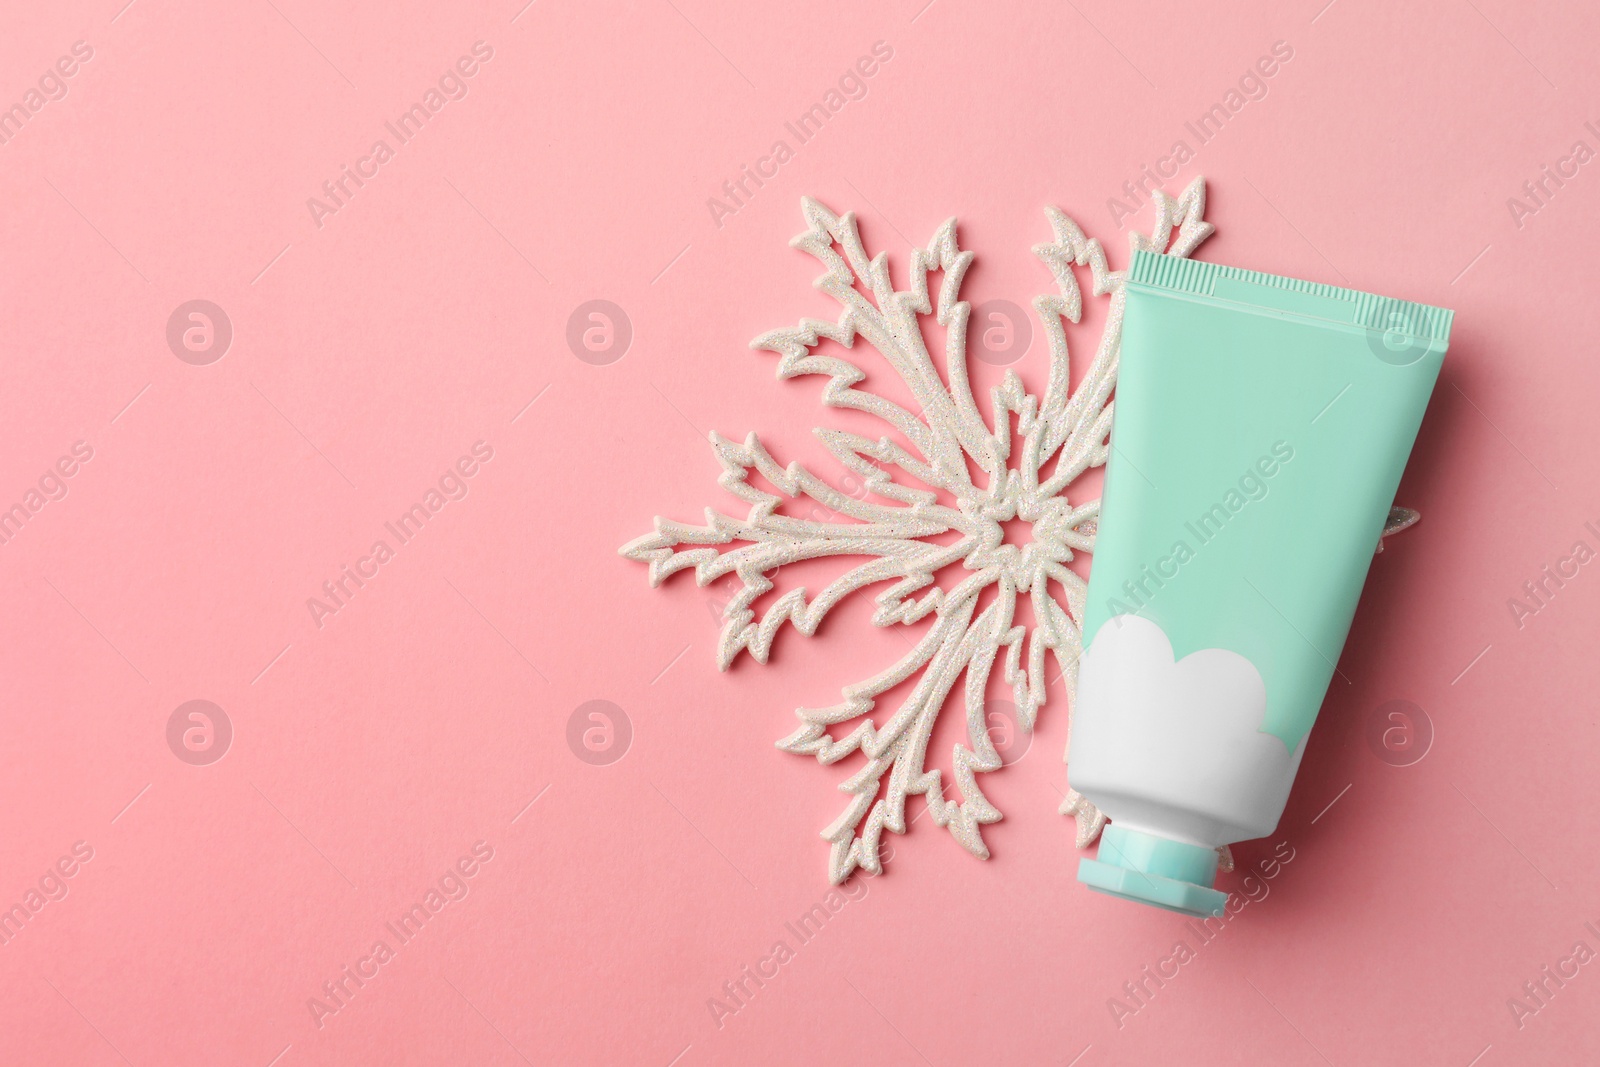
(1261, 427)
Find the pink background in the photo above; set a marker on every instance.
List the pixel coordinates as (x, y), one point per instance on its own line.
(370, 754)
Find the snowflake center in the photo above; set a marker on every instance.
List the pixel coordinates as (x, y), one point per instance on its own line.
(1014, 540)
(1018, 533)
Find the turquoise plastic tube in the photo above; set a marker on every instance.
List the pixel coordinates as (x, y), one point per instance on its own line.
(1260, 430)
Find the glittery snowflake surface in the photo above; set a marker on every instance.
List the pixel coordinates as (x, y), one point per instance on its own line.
(939, 486)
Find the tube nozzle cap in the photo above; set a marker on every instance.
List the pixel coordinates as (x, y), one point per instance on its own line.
(1154, 870)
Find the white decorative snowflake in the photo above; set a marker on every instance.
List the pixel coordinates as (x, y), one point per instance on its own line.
(897, 527)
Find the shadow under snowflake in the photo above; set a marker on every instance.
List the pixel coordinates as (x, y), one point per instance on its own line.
(908, 534)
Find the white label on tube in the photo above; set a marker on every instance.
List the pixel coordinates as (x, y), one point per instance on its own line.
(1174, 747)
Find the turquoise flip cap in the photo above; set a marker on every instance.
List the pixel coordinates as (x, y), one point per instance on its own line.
(1154, 870)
